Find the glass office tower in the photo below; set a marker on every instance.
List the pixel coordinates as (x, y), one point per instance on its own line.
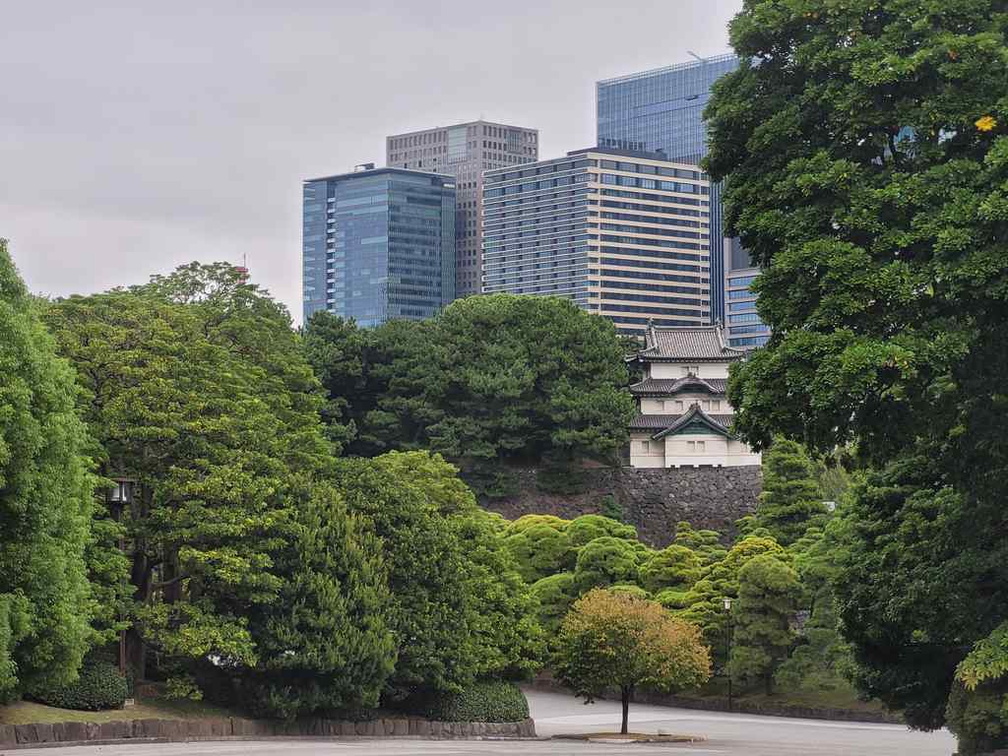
(662, 111)
(743, 327)
(379, 244)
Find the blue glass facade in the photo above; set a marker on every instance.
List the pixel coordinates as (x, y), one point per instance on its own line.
(379, 245)
(743, 327)
(662, 111)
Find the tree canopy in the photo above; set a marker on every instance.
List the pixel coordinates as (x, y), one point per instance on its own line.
(865, 157)
(494, 378)
(612, 639)
(46, 490)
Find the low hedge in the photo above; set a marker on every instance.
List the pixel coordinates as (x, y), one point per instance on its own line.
(100, 686)
(485, 701)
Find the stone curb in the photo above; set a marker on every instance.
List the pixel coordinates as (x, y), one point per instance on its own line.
(236, 728)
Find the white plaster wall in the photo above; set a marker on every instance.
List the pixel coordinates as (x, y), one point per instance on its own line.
(645, 452)
(718, 451)
(678, 370)
(681, 403)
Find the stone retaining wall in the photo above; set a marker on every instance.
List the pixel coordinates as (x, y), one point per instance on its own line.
(169, 730)
(653, 500)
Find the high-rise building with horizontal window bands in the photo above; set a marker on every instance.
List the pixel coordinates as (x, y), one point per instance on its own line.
(662, 111)
(623, 234)
(743, 327)
(465, 151)
(379, 244)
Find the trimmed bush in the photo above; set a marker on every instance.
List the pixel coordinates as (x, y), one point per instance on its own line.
(484, 701)
(100, 686)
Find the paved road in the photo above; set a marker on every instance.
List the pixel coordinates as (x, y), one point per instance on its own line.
(728, 735)
(732, 734)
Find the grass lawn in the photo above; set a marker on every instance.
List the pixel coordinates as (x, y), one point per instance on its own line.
(26, 712)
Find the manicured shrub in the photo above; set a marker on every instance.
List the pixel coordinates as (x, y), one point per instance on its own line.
(483, 701)
(100, 686)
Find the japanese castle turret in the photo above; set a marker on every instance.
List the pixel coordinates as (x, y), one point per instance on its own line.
(684, 419)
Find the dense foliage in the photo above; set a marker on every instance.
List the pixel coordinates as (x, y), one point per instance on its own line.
(482, 701)
(100, 686)
(864, 147)
(494, 378)
(45, 503)
(615, 640)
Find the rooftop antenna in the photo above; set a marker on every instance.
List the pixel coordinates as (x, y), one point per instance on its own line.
(695, 55)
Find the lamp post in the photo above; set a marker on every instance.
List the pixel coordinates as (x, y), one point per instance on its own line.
(118, 498)
(728, 648)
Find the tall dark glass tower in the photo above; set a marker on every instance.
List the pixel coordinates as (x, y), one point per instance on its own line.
(379, 245)
(662, 111)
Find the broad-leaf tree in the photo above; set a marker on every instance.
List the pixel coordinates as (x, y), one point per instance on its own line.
(46, 490)
(864, 148)
(614, 640)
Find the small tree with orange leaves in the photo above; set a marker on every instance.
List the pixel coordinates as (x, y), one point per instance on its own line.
(611, 639)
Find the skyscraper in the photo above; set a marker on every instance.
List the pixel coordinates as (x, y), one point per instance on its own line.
(662, 110)
(623, 234)
(743, 327)
(465, 151)
(379, 244)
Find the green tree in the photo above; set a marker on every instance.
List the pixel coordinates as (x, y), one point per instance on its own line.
(865, 154)
(209, 426)
(324, 643)
(432, 616)
(45, 502)
(674, 567)
(605, 561)
(704, 601)
(497, 378)
(555, 595)
(586, 528)
(612, 639)
(540, 551)
(767, 599)
(790, 501)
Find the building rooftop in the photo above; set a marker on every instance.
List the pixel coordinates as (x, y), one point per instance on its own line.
(376, 171)
(480, 122)
(662, 425)
(668, 386)
(686, 343)
(658, 155)
(722, 58)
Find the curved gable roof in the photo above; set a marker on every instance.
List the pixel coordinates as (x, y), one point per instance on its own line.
(696, 416)
(687, 343)
(670, 386)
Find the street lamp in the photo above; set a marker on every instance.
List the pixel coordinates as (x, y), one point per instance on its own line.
(119, 497)
(727, 602)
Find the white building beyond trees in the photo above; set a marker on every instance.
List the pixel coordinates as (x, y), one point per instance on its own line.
(684, 418)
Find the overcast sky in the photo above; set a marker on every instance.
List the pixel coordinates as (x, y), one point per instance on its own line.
(135, 136)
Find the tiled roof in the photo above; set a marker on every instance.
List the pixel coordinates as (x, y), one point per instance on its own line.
(661, 422)
(683, 343)
(666, 424)
(668, 386)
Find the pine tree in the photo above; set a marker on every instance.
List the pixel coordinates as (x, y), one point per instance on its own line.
(767, 599)
(790, 501)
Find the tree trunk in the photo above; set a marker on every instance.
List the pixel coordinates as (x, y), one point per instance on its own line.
(626, 690)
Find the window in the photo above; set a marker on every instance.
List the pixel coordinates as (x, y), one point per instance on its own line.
(696, 447)
(690, 370)
(679, 406)
(705, 404)
(716, 405)
(645, 447)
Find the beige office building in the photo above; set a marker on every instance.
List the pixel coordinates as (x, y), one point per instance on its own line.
(623, 234)
(465, 151)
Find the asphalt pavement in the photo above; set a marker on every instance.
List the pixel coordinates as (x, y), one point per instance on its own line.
(555, 714)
